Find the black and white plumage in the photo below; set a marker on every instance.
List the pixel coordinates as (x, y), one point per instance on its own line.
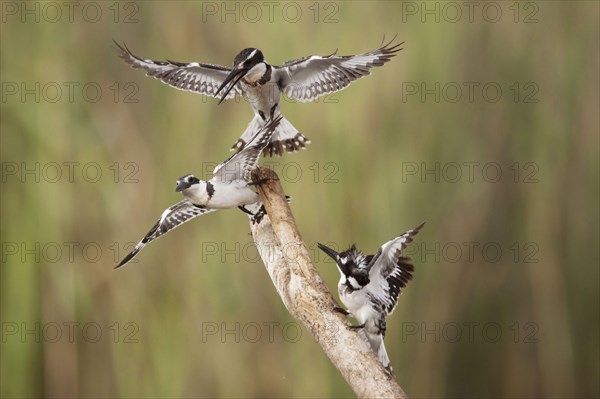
(174, 216)
(370, 285)
(262, 84)
(230, 187)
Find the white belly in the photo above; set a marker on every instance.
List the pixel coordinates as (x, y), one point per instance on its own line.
(231, 195)
(263, 98)
(358, 304)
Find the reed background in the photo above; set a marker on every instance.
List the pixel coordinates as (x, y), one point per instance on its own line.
(505, 299)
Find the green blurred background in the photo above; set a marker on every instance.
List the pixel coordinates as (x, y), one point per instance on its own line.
(505, 297)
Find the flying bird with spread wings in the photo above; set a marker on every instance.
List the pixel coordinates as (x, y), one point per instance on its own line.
(251, 77)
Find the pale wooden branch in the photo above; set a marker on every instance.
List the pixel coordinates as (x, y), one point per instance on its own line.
(308, 299)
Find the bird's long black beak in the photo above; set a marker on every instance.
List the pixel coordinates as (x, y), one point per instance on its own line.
(181, 185)
(235, 75)
(328, 251)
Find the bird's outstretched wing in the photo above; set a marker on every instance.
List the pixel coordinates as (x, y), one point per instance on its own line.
(240, 165)
(308, 78)
(171, 218)
(193, 76)
(390, 271)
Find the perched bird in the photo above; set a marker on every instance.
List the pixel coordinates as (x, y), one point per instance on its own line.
(369, 286)
(229, 187)
(251, 77)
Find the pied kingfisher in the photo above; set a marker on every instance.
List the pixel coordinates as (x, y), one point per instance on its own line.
(369, 286)
(251, 77)
(229, 187)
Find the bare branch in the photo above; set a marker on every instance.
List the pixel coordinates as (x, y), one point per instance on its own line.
(308, 299)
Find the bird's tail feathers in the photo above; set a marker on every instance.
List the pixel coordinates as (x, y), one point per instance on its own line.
(254, 126)
(378, 346)
(285, 138)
